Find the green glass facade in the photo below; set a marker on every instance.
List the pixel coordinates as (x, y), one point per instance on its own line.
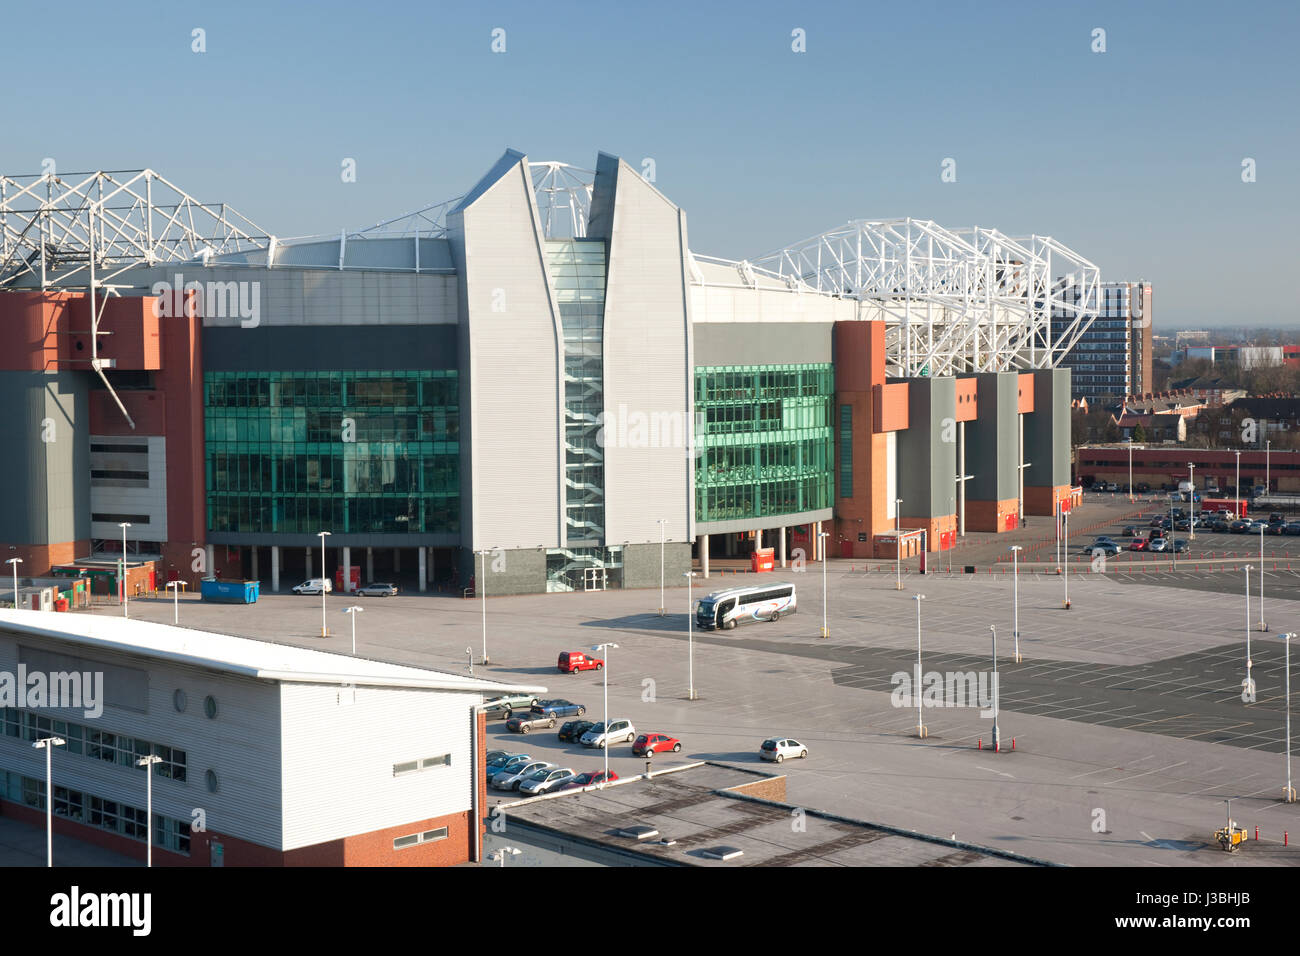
(765, 440)
(346, 452)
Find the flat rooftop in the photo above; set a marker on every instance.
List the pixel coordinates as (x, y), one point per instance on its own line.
(705, 806)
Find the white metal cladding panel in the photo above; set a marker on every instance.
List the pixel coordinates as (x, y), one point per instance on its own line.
(340, 745)
(646, 368)
(150, 501)
(716, 304)
(514, 372)
(241, 744)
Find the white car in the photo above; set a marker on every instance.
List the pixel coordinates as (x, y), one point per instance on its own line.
(778, 748)
(619, 730)
(512, 778)
(545, 780)
(314, 586)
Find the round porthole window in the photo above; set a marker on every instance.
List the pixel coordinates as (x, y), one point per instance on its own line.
(213, 784)
(179, 701)
(210, 706)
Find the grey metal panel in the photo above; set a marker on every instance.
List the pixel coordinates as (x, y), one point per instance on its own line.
(646, 365)
(511, 365)
(993, 439)
(1047, 430)
(927, 463)
(45, 484)
(330, 348)
(762, 343)
(767, 521)
(512, 572)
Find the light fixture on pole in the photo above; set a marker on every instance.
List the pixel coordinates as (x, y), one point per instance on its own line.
(500, 855)
(15, 562)
(916, 686)
(996, 744)
(48, 744)
(1289, 794)
(324, 583)
(122, 578)
(823, 535)
(898, 544)
(469, 652)
(1191, 502)
(175, 588)
(353, 611)
(605, 649)
(482, 598)
(1262, 625)
(663, 522)
(1015, 596)
(147, 762)
(690, 634)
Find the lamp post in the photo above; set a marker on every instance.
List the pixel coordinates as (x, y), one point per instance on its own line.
(147, 762)
(1289, 795)
(15, 562)
(606, 648)
(1015, 596)
(1066, 552)
(48, 744)
(1236, 484)
(353, 611)
(1173, 542)
(482, 597)
(1191, 502)
(1268, 486)
(826, 631)
(122, 578)
(175, 588)
(1130, 468)
(690, 634)
(898, 544)
(1262, 625)
(1248, 685)
(994, 631)
(324, 583)
(916, 687)
(662, 530)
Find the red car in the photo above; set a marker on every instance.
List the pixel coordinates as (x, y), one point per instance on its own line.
(1139, 544)
(572, 661)
(589, 779)
(647, 745)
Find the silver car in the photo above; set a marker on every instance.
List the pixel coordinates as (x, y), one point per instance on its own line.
(512, 778)
(542, 781)
(378, 590)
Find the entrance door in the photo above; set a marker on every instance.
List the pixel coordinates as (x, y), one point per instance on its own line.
(593, 579)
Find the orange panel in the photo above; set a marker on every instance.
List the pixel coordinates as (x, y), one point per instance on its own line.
(967, 399)
(891, 407)
(1026, 387)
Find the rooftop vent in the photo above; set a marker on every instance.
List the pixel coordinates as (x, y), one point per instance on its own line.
(639, 831)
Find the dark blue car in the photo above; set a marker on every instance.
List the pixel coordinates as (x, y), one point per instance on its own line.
(559, 708)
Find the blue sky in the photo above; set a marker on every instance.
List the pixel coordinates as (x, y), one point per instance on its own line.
(1132, 156)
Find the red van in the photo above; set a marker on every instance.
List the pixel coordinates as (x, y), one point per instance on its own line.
(571, 661)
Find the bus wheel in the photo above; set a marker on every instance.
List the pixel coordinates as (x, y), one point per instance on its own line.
(731, 625)
(776, 616)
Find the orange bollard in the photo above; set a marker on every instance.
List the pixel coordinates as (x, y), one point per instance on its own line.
(1013, 743)
(1257, 832)
(980, 744)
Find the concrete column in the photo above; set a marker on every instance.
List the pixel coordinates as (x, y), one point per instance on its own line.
(370, 564)
(782, 545)
(431, 565)
(758, 539)
(347, 566)
(704, 553)
(308, 553)
(817, 540)
(397, 560)
(1020, 472)
(961, 475)
(210, 555)
(424, 568)
(275, 567)
(255, 575)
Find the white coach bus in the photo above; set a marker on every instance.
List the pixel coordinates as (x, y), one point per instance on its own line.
(723, 610)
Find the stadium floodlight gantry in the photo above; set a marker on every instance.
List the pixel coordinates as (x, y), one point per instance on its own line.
(953, 301)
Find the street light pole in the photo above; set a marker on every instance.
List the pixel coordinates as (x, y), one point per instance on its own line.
(898, 543)
(1236, 485)
(48, 744)
(353, 611)
(324, 578)
(1015, 600)
(994, 631)
(916, 688)
(1248, 685)
(606, 648)
(662, 524)
(175, 587)
(147, 762)
(1191, 501)
(690, 634)
(1130, 469)
(15, 562)
(1268, 489)
(122, 579)
(482, 598)
(1066, 552)
(826, 631)
(1262, 625)
(1289, 796)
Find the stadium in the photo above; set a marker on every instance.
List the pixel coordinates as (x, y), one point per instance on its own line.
(539, 377)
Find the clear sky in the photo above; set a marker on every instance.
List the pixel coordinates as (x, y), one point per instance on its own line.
(1133, 156)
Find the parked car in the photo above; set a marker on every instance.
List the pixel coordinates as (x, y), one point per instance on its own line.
(647, 745)
(778, 748)
(495, 755)
(1293, 527)
(1158, 545)
(571, 662)
(1157, 533)
(1276, 518)
(314, 586)
(1139, 544)
(1219, 524)
(1180, 545)
(523, 722)
(505, 706)
(1142, 486)
(573, 730)
(619, 731)
(1275, 528)
(1129, 531)
(1182, 524)
(559, 708)
(507, 761)
(511, 778)
(1240, 526)
(1108, 548)
(589, 779)
(378, 590)
(545, 780)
